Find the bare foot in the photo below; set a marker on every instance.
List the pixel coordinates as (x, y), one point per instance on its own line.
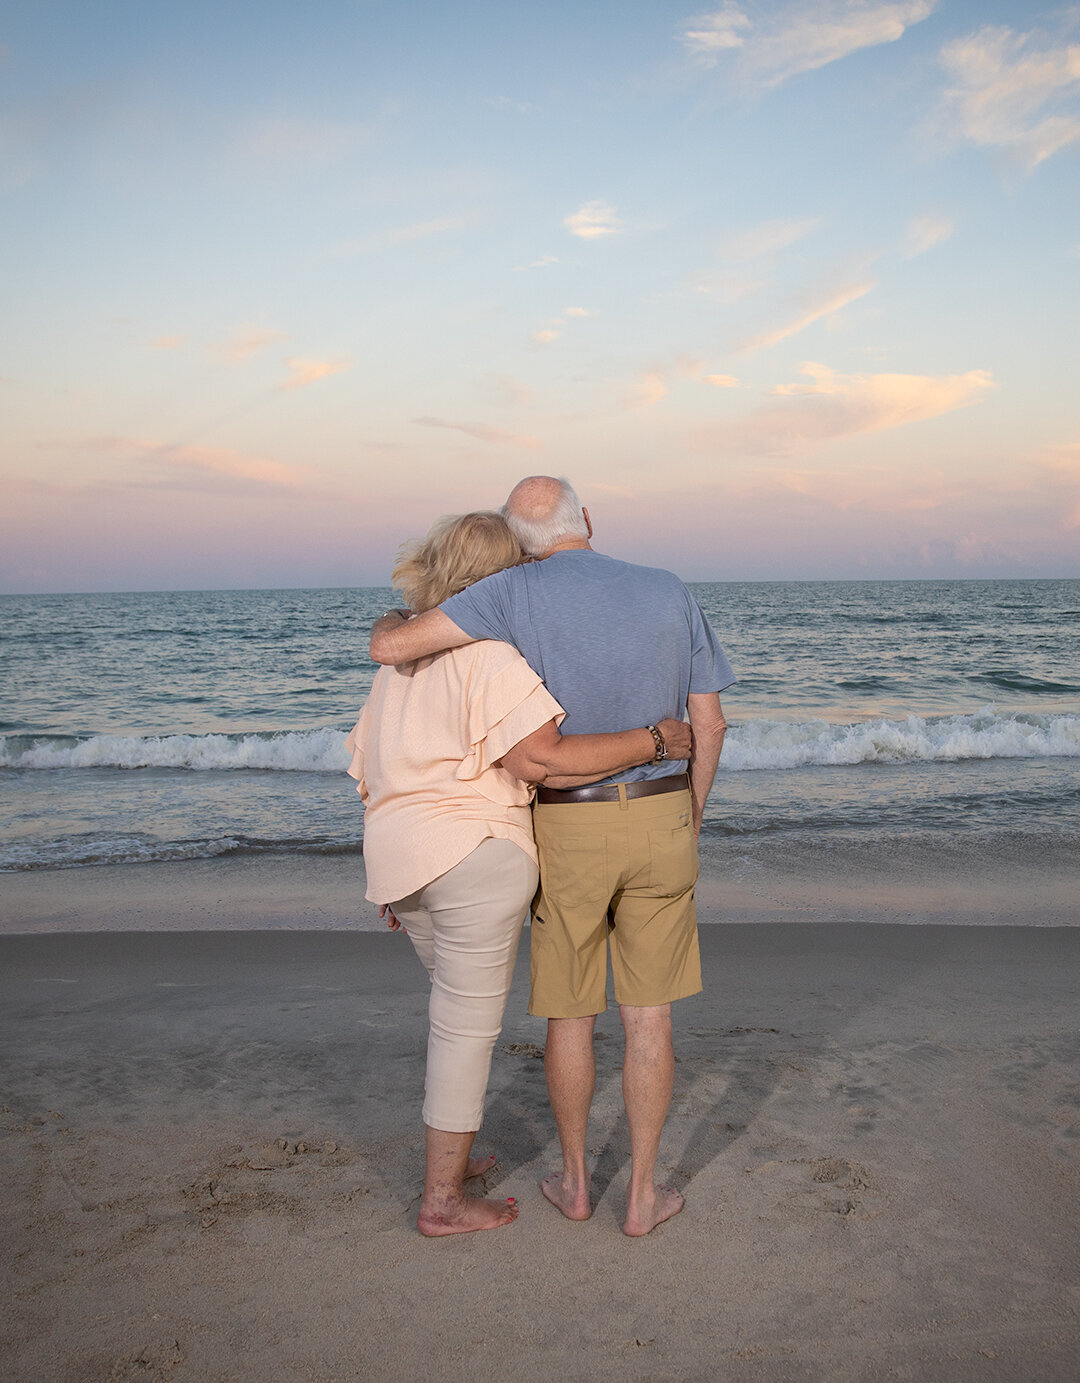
(570, 1197)
(646, 1213)
(465, 1215)
(477, 1166)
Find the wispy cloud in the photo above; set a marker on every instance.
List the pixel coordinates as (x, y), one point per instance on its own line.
(654, 383)
(832, 405)
(483, 433)
(593, 221)
(507, 103)
(409, 233)
(768, 238)
(291, 142)
(223, 461)
(649, 388)
(506, 390)
(545, 335)
(169, 343)
(305, 372)
(814, 312)
(421, 230)
(924, 232)
(725, 285)
(245, 341)
(1014, 92)
(542, 263)
(1060, 465)
(708, 35)
(784, 40)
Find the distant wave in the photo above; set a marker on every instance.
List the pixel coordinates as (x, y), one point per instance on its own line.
(77, 852)
(302, 751)
(1010, 680)
(985, 734)
(756, 744)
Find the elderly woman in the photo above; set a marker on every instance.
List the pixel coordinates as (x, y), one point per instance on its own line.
(445, 751)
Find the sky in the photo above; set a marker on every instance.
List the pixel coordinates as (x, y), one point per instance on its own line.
(787, 290)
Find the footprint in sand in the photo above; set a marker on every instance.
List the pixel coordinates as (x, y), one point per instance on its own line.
(857, 1197)
(838, 1170)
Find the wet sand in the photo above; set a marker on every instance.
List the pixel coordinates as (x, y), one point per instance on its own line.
(326, 892)
(212, 1161)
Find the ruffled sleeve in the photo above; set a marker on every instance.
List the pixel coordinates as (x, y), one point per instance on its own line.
(506, 701)
(354, 745)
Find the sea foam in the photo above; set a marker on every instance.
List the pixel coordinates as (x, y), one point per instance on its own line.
(304, 751)
(985, 734)
(755, 744)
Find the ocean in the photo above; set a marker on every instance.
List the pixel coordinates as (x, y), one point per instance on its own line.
(894, 726)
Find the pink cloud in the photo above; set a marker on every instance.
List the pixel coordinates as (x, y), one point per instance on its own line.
(834, 405)
(305, 372)
(1009, 92)
(246, 341)
(593, 221)
(178, 456)
(822, 307)
(483, 433)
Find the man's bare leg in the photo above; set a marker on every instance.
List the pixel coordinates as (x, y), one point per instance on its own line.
(570, 1067)
(446, 1209)
(648, 1076)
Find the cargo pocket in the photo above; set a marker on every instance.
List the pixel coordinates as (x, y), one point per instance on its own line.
(673, 860)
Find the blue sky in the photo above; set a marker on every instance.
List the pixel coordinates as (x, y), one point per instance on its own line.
(787, 290)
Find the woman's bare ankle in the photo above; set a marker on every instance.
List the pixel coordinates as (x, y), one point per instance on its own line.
(460, 1214)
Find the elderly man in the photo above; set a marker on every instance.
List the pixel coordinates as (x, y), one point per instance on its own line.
(618, 645)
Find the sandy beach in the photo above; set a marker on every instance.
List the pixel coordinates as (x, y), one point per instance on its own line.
(212, 1160)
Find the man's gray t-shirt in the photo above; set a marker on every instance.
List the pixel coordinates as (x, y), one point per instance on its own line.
(618, 645)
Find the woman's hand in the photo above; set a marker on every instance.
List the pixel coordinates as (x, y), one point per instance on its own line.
(391, 921)
(677, 737)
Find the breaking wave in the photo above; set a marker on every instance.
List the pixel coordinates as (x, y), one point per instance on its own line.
(755, 744)
(984, 734)
(302, 751)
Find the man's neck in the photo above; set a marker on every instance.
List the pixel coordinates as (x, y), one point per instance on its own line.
(571, 545)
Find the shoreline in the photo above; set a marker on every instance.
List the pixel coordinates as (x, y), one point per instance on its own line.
(876, 1129)
(326, 893)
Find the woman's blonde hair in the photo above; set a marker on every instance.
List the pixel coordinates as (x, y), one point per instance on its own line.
(458, 550)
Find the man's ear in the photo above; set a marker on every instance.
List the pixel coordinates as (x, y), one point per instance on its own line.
(588, 521)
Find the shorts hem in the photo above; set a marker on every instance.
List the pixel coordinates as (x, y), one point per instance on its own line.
(667, 999)
(580, 1010)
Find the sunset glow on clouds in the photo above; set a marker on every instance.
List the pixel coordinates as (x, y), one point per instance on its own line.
(787, 290)
(833, 406)
(783, 40)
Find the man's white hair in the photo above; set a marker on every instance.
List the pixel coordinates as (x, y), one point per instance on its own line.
(545, 524)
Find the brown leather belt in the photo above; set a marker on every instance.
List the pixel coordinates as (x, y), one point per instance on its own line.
(649, 788)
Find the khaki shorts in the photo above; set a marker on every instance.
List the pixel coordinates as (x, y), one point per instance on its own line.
(627, 869)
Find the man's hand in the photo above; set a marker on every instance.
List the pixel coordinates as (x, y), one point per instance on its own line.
(709, 726)
(677, 737)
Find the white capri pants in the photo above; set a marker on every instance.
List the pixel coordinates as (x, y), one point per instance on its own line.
(465, 926)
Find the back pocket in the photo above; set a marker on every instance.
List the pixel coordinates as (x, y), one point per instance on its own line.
(673, 861)
(572, 871)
